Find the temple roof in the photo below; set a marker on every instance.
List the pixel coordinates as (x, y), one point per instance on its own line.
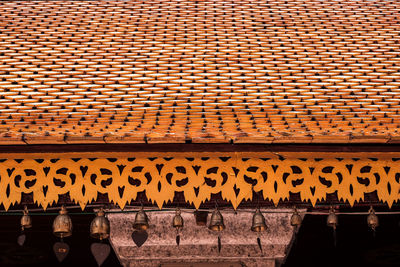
(242, 71)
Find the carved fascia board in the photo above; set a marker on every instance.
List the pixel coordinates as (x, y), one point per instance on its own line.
(198, 175)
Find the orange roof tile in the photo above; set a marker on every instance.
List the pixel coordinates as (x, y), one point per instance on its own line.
(207, 71)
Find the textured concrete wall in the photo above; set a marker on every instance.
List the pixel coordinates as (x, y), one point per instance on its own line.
(198, 243)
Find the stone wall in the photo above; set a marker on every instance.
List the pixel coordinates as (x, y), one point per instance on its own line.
(198, 244)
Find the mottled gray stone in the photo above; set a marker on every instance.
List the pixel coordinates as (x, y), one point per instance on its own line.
(198, 243)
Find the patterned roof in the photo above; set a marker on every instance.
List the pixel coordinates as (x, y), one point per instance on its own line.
(199, 71)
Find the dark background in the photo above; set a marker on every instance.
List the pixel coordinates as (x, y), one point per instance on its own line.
(356, 245)
(38, 248)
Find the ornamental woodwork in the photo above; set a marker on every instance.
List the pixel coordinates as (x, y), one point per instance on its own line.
(198, 175)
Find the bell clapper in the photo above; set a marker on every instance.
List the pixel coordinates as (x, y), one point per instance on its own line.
(259, 242)
(219, 244)
(178, 237)
(334, 237)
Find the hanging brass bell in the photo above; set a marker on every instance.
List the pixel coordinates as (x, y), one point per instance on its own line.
(296, 219)
(62, 225)
(332, 220)
(258, 224)
(177, 221)
(141, 221)
(216, 222)
(26, 220)
(372, 219)
(100, 226)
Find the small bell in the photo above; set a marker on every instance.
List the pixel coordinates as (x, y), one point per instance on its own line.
(332, 220)
(372, 219)
(177, 222)
(216, 222)
(258, 222)
(217, 225)
(62, 225)
(100, 226)
(296, 219)
(141, 220)
(26, 220)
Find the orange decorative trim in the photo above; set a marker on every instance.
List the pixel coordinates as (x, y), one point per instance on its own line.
(198, 175)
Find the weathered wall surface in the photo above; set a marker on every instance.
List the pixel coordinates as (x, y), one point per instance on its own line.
(199, 244)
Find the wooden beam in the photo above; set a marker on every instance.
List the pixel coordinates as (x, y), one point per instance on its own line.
(131, 147)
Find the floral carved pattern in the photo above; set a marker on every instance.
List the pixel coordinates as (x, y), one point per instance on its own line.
(198, 175)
